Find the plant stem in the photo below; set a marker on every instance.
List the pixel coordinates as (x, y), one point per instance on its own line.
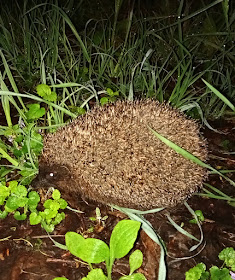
(109, 268)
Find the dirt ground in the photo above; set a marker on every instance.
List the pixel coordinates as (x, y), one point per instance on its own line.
(27, 253)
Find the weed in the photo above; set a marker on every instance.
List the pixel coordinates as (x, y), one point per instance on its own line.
(94, 251)
(20, 201)
(199, 272)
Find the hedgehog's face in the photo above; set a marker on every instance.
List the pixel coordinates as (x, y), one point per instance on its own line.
(52, 176)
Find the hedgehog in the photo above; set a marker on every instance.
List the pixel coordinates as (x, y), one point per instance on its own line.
(109, 155)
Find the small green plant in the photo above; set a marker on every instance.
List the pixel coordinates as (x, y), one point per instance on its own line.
(17, 199)
(51, 215)
(20, 201)
(94, 251)
(21, 145)
(200, 217)
(98, 218)
(111, 96)
(228, 256)
(199, 272)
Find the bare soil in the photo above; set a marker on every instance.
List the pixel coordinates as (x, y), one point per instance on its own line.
(27, 252)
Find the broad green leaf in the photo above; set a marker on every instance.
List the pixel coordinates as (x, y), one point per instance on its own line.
(36, 142)
(109, 91)
(90, 250)
(51, 97)
(22, 201)
(135, 260)
(17, 152)
(35, 112)
(228, 256)
(123, 238)
(135, 276)
(80, 111)
(77, 110)
(200, 216)
(8, 209)
(2, 200)
(43, 90)
(74, 242)
(19, 138)
(94, 251)
(95, 274)
(26, 173)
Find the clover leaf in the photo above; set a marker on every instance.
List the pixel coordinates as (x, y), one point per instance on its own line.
(3, 214)
(33, 198)
(63, 203)
(219, 274)
(228, 256)
(56, 194)
(20, 217)
(34, 218)
(197, 272)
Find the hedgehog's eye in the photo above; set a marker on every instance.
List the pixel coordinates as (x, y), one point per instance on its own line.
(51, 175)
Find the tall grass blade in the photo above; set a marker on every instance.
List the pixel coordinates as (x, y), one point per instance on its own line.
(192, 15)
(220, 95)
(189, 156)
(199, 225)
(6, 156)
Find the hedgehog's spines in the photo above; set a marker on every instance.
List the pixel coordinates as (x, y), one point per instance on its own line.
(112, 150)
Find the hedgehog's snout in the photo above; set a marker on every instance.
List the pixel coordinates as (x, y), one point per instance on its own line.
(42, 181)
(51, 176)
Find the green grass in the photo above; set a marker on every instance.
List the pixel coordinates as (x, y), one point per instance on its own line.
(160, 57)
